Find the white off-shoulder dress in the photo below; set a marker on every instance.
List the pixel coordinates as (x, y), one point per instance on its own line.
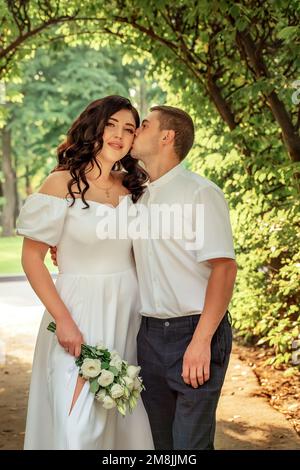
(97, 282)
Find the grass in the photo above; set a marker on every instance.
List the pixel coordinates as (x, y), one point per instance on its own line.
(10, 256)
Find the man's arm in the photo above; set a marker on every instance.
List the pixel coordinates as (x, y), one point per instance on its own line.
(196, 360)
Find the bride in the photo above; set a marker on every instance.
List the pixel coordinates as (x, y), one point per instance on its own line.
(95, 299)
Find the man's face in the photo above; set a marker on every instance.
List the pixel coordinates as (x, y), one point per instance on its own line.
(148, 138)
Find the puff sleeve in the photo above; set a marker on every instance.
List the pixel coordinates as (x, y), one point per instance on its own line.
(215, 226)
(42, 218)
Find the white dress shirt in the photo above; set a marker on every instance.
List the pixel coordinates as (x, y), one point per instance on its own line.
(172, 270)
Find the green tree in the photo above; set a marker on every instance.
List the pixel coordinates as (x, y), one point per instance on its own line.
(227, 48)
(57, 84)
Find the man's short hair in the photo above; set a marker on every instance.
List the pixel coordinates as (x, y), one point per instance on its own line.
(176, 119)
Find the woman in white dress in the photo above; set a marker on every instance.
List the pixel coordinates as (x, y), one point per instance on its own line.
(95, 298)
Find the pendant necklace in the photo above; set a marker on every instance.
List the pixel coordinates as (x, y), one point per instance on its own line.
(107, 190)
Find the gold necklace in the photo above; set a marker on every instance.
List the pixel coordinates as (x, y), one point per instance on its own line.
(107, 193)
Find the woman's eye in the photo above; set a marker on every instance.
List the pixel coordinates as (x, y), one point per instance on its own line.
(130, 131)
(110, 124)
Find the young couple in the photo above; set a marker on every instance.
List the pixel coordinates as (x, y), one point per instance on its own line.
(157, 302)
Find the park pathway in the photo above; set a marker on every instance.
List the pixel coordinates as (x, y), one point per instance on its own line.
(245, 421)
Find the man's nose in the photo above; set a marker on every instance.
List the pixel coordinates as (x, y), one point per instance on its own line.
(137, 131)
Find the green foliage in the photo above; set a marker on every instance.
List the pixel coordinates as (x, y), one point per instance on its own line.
(247, 123)
(56, 86)
(265, 216)
(10, 257)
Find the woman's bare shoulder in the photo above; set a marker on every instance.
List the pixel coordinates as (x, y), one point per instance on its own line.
(56, 184)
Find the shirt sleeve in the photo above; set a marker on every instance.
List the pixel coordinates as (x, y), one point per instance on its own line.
(212, 225)
(42, 218)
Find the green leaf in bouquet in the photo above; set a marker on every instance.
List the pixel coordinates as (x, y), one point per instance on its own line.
(95, 352)
(94, 386)
(104, 351)
(114, 370)
(132, 403)
(105, 365)
(121, 407)
(136, 393)
(88, 351)
(79, 361)
(99, 354)
(52, 327)
(106, 357)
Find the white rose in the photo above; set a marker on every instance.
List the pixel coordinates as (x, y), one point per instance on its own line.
(129, 383)
(116, 362)
(100, 346)
(109, 403)
(100, 395)
(116, 391)
(91, 368)
(133, 371)
(114, 353)
(106, 378)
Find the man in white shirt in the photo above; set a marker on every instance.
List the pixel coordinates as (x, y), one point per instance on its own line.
(186, 284)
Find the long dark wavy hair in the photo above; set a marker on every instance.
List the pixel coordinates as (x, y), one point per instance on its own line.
(84, 141)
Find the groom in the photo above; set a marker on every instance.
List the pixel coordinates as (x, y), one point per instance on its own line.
(184, 341)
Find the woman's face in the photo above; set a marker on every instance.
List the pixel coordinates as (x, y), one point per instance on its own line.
(118, 136)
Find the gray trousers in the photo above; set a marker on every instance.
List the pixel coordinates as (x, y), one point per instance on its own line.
(180, 416)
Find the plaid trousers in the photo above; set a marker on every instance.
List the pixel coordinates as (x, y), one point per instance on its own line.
(180, 416)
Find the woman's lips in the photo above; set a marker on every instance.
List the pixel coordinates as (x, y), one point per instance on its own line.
(115, 146)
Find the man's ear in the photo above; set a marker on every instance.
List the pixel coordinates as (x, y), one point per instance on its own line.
(169, 136)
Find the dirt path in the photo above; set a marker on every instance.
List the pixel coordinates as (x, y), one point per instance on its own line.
(245, 420)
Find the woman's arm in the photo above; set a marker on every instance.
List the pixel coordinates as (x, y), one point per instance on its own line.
(68, 334)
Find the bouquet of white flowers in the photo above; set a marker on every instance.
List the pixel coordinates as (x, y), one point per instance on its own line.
(113, 381)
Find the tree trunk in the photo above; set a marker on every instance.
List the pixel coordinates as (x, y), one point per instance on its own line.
(9, 186)
(220, 103)
(289, 133)
(28, 187)
(142, 92)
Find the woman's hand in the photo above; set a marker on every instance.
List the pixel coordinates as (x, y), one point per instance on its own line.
(69, 336)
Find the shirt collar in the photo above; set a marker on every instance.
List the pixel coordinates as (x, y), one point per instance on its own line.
(166, 177)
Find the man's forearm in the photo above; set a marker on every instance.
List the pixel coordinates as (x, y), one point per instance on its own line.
(218, 295)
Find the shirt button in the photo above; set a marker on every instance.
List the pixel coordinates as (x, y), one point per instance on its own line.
(167, 323)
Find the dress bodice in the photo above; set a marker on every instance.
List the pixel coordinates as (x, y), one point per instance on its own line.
(90, 241)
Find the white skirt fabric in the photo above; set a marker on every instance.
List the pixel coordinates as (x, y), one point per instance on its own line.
(105, 308)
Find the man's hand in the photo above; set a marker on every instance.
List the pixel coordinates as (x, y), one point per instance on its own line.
(196, 363)
(53, 252)
(196, 360)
